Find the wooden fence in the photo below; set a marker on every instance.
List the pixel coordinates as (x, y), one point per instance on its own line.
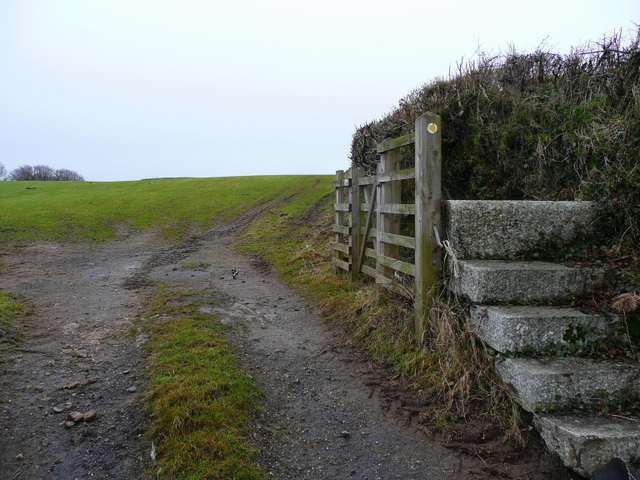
(380, 232)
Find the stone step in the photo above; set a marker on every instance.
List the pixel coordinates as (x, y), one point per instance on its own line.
(587, 443)
(555, 382)
(517, 328)
(503, 229)
(495, 281)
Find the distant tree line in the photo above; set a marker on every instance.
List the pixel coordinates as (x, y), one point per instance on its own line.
(40, 173)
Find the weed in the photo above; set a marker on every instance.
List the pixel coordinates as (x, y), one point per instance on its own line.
(575, 333)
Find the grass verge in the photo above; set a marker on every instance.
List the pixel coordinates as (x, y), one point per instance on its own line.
(13, 311)
(200, 400)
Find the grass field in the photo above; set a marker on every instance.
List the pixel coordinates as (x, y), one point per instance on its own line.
(95, 211)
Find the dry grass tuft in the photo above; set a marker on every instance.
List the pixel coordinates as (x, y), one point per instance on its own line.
(626, 303)
(463, 380)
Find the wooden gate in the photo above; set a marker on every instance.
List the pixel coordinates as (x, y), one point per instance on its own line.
(386, 233)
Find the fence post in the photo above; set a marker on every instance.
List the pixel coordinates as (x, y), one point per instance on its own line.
(386, 222)
(428, 200)
(354, 222)
(339, 216)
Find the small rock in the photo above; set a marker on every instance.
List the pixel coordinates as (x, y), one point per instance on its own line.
(132, 389)
(73, 385)
(345, 434)
(90, 416)
(75, 417)
(19, 456)
(69, 424)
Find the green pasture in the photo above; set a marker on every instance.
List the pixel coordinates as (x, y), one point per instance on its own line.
(96, 211)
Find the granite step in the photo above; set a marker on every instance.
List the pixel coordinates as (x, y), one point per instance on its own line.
(557, 382)
(586, 443)
(519, 328)
(495, 281)
(507, 228)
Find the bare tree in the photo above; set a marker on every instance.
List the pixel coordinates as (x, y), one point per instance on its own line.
(25, 172)
(68, 175)
(44, 173)
(3, 171)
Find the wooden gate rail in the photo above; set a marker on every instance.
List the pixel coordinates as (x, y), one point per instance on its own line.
(367, 211)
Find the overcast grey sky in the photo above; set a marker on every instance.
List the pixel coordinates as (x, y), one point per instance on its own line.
(131, 89)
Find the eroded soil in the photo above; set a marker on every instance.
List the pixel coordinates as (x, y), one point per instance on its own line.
(327, 413)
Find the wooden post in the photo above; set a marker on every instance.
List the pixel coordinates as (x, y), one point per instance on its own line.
(386, 222)
(354, 222)
(428, 201)
(338, 214)
(338, 217)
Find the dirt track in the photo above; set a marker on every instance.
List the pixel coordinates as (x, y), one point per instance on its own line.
(327, 413)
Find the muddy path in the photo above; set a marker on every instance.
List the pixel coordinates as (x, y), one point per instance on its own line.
(327, 413)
